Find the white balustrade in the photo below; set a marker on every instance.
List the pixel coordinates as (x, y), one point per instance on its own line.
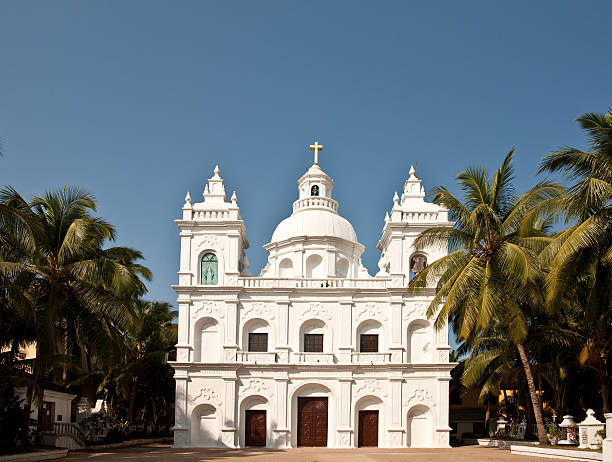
(259, 357)
(303, 357)
(315, 202)
(370, 358)
(419, 216)
(306, 283)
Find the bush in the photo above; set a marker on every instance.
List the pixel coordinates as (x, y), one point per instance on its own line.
(12, 424)
(114, 435)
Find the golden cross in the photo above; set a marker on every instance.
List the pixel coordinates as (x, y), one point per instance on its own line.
(316, 147)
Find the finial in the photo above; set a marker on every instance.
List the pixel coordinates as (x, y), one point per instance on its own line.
(395, 197)
(205, 191)
(387, 219)
(316, 147)
(188, 198)
(216, 171)
(412, 173)
(234, 198)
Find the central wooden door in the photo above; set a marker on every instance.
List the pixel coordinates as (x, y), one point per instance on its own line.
(368, 428)
(312, 422)
(255, 428)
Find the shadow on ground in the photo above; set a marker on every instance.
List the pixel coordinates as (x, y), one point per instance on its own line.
(165, 453)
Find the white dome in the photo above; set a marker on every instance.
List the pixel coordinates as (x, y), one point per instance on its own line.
(314, 223)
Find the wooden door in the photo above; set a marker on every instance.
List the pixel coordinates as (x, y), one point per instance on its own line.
(312, 422)
(368, 428)
(47, 416)
(255, 428)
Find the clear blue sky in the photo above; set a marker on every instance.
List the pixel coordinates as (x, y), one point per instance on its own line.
(137, 101)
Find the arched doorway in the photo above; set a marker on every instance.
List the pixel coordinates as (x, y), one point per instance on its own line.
(312, 415)
(369, 421)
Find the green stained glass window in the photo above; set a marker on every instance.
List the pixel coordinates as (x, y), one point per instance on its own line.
(209, 269)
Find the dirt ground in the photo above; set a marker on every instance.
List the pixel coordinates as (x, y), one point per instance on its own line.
(165, 453)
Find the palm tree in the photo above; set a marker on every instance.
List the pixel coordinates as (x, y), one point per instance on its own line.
(580, 257)
(142, 363)
(52, 259)
(491, 273)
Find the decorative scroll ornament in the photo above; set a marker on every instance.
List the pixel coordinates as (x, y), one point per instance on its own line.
(370, 386)
(416, 310)
(182, 355)
(420, 396)
(257, 310)
(256, 387)
(443, 355)
(344, 439)
(370, 311)
(209, 242)
(207, 395)
(208, 308)
(315, 310)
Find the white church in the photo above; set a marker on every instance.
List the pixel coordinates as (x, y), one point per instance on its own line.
(314, 351)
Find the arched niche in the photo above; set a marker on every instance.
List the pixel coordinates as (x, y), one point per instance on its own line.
(370, 327)
(342, 268)
(420, 342)
(369, 403)
(254, 403)
(257, 326)
(204, 431)
(316, 327)
(314, 266)
(420, 427)
(207, 341)
(285, 268)
(313, 389)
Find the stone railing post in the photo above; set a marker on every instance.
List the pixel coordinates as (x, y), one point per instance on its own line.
(607, 443)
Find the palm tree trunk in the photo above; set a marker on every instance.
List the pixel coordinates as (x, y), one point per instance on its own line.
(130, 415)
(488, 417)
(603, 388)
(27, 410)
(535, 399)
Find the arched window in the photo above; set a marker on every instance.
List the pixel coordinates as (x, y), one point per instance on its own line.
(209, 269)
(314, 191)
(418, 262)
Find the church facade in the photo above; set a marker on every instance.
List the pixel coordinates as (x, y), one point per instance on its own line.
(314, 351)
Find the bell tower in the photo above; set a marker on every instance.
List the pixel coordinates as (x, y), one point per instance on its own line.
(409, 216)
(213, 238)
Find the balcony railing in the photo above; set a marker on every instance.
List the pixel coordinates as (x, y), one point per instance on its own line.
(256, 357)
(370, 358)
(290, 283)
(303, 357)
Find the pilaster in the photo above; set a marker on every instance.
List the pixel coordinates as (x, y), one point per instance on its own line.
(181, 425)
(396, 345)
(346, 331)
(282, 337)
(229, 430)
(231, 328)
(344, 427)
(443, 429)
(396, 429)
(281, 432)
